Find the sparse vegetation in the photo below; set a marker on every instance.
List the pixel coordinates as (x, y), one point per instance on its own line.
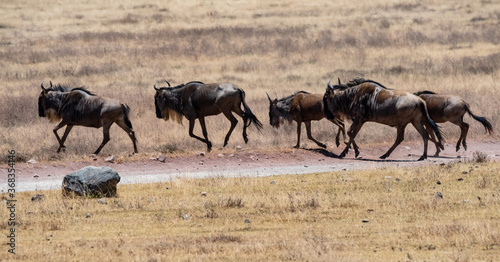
(388, 214)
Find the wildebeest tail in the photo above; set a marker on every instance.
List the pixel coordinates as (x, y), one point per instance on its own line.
(432, 124)
(126, 112)
(248, 113)
(487, 125)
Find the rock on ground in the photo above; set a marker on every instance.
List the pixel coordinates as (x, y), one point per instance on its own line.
(92, 181)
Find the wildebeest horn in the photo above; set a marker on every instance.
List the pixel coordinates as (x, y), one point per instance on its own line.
(277, 98)
(50, 84)
(42, 86)
(268, 97)
(329, 85)
(155, 87)
(339, 81)
(168, 83)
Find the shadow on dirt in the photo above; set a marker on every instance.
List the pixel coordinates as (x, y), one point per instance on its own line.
(323, 152)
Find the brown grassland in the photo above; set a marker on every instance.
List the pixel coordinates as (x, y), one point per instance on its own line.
(120, 48)
(315, 217)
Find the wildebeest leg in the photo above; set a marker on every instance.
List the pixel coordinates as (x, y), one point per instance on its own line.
(341, 129)
(130, 132)
(309, 135)
(203, 129)
(353, 131)
(105, 130)
(234, 122)
(424, 132)
(61, 142)
(240, 112)
(299, 126)
(400, 137)
(433, 139)
(464, 128)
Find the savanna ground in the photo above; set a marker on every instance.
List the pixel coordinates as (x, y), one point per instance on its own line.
(120, 48)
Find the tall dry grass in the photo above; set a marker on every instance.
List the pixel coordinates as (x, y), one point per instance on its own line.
(388, 214)
(119, 49)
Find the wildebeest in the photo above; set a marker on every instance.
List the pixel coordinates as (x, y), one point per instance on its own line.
(196, 100)
(444, 108)
(80, 107)
(301, 107)
(368, 101)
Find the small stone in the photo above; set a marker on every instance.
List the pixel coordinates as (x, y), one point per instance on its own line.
(110, 159)
(231, 155)
(32, 161)
(247, 221)
(185, 216)
(239, 148)
(439, 195)
(37, 198)
(464, 172)
(397, 179)
(460, 179)
(168, 188)
(370, 210)
(220, 155)
(36, 176)
(102, 201)
(365, 220)
(201, 153)
(407, 147)
(438, 182)
(273, 182)
(203, 193)
(153, 199)
(161, 158)
(388, 177)
(201, 163)
(88, 215)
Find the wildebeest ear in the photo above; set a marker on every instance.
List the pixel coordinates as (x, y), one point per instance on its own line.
(50, 84)
(339, 81)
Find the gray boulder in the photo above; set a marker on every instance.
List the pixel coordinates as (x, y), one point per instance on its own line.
(91, 181)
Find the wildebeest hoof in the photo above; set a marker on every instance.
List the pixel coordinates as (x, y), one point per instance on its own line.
(297, 146)
(383, 157)
(422, 158)
(246, 140)
(321, 145)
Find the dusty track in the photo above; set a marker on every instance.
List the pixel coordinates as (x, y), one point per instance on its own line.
(44, 176)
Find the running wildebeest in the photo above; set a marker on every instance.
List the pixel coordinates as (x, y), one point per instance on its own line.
(196, 100)
(369, 101)
(79, 107)
(302, 107)
(444, 108)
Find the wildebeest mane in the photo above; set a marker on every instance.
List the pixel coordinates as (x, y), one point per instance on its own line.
(66, 88)
(181, 85)
(358, 81)
(425, 92)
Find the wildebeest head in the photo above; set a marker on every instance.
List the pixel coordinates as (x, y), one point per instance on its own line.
(167, 104)
(274, 114)
(48, 103)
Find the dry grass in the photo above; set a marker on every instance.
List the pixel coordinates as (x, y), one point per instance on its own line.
(316, 217)
(119, 49)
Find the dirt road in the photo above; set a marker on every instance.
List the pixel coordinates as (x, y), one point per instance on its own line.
(45, 176)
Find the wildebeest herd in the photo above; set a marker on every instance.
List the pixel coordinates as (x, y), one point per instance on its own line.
(359, 100)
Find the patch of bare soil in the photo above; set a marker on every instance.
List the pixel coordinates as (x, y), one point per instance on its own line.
(43, 176)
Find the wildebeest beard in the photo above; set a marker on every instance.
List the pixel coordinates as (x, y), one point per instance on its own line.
(171, 109)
